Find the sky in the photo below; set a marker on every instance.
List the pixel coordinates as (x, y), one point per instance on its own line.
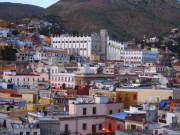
(41, 3)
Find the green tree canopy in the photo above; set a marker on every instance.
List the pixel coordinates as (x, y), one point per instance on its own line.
(9, 53)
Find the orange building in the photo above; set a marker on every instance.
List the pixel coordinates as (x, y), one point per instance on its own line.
(115, 122)
(7, 69)
(124, 121)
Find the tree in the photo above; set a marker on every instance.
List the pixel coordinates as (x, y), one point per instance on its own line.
(15, 32)
(9, 53)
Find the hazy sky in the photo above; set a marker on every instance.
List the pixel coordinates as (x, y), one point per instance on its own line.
(42, 3)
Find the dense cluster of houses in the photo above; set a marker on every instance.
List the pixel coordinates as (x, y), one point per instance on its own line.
(86, 85)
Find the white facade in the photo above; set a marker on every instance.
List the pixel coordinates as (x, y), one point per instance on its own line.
(115, 50)
(100, 44)
(81, 45)
(119, 52)
(138, 57)
(57, 78)
(26, 80)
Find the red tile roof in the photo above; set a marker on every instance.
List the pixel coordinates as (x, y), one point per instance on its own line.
(177, 63)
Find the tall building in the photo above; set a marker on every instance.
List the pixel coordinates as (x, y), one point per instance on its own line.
(84, 46)
(115, 50)
(100, 44)
(104, 37)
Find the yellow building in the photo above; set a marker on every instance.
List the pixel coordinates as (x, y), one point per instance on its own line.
(148, 95)
(45, 101)
(30, 98)
(112, 95)
(135, 96)
(35, 107)
(128, 98)
(29, 107)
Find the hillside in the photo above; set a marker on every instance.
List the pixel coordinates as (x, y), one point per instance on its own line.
(124, 19)
(11, 11)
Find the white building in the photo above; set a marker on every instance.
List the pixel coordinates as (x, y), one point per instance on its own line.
(100, 44)
(58, 77)
(82, 45)
(115, 50)
(23, 80)
(138, 57)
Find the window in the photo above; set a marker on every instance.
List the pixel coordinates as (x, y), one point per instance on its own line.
(156, 132)
(21, 133)
(94, 110)
(100, 126)
(110, 111)
(35, 133)
(84, 111)
(66, 128)
(164, 116)
(93, 128)
(133, 127)
(135, 97)
(84, 126)
(27, 133)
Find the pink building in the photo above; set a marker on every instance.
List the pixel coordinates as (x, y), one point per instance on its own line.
(88, 118)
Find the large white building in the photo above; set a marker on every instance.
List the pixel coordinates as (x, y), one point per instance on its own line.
(84, 46)
(101, 44)
(138, 57)
(115, 50)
